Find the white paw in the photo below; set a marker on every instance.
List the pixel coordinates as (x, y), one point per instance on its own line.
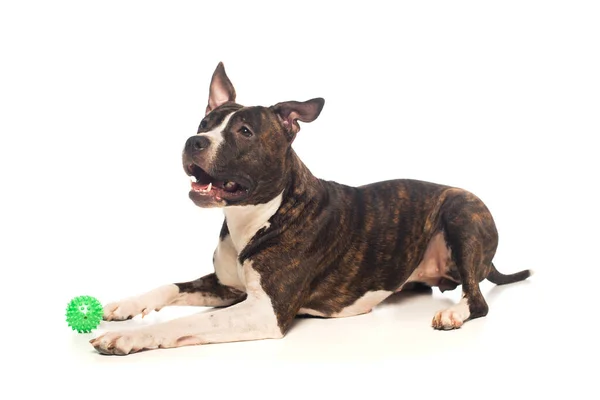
(447, 319)
(125, 309)
(126, 342)
(144, 304)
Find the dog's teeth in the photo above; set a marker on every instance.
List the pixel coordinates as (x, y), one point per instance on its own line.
(208, 189)
(193, 178)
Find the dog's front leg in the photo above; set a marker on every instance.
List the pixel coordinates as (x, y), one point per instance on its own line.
(206, 291)
(252, 319)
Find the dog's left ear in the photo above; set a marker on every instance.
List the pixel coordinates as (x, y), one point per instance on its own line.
(290, 112)
(221, 89)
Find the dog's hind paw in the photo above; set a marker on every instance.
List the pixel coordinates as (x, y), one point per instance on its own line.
(452, 318)
(446, 320)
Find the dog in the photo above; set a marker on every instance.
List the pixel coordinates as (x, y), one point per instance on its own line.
(292, 244)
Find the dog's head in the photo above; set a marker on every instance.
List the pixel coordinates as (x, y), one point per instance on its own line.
(239, 154)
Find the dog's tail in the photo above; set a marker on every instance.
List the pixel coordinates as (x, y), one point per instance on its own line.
(500, 279)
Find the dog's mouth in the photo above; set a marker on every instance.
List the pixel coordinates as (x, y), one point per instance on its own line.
(205, 185)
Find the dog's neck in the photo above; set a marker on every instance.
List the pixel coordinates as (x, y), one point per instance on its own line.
(244, 221)
(301, 181)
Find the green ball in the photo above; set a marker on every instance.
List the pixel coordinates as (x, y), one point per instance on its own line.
(84, 314)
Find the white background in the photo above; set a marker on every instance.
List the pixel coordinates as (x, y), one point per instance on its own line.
(98, 98)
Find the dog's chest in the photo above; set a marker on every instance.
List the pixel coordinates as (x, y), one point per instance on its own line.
(242, 222)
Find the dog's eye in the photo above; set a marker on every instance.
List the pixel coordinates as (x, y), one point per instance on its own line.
(245, 131)
(203, 124)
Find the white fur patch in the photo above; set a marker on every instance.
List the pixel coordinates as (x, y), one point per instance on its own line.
(216, 138)
(362, 305)
(226, 264)
(310, 311)
(244, 221)
(452, 317)
(252, 319)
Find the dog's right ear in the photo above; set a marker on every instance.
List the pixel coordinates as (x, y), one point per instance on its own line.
(221, 89)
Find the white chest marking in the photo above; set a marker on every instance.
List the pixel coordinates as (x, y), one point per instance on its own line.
(244, 221)
(216, 138)
(226, 264)
(362, 305)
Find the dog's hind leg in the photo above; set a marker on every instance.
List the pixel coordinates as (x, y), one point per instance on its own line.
(472, 237)
(472, 304)
(206, 291)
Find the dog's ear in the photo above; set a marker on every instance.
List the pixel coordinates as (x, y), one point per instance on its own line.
(221, 89)
(290, 112)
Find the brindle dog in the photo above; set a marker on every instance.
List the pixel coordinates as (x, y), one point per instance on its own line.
(294, 244)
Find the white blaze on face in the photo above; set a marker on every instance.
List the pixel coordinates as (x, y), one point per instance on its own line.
(215, 136)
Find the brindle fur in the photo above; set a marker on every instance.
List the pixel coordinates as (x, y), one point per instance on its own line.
(328, 244)
(210, 288)
(376, 236)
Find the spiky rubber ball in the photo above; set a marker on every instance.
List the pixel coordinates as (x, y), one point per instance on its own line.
(84, 314)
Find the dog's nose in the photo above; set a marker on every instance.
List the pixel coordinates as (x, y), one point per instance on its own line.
(197, 143)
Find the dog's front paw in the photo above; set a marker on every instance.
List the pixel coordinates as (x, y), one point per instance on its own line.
(125, 309)
(144, 304)
(123, 343)
(447, 319)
